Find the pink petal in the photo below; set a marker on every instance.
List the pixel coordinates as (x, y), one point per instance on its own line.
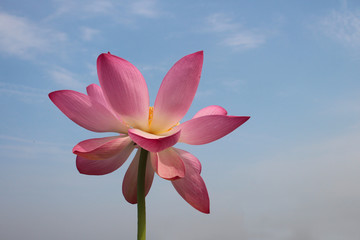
(192, 187)
(129, 186)
(85, 112)
(152, 142)
(125, 89)
(177, 92)
(168, 164)
(105, 166)
(209, 128)
(95, 92)
(101, 148)
(211, 110)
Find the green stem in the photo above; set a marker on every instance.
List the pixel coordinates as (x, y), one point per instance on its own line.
(141, 234)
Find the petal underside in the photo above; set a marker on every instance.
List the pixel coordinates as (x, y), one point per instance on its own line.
(129, 187)
(168, 164)
(208, 128)
(192, 187)
(105, 166)
(101, 148)
(153, 142)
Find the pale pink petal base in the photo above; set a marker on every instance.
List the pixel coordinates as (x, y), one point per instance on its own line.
(208, 128)
(152, 142)
(129, 187)
(105, 166)
(101, 148)
(168, 164)
(192, 187)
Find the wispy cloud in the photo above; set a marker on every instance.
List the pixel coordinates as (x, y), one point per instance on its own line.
(24, 148)
(245, 40)
(65, 78)
(219, 22)
(24, 93)
(342, 26)
(145, 8)
(234, 34)
(23, 38)
(87, 33)
(123, 12)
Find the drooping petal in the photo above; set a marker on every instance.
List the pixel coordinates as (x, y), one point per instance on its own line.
(105, 166)
(129, 187)
(168, 164)
(125, 89)
(211, 110)
(209, 128)
(89, 114)
(101, 148)
(192, 187)
(152, 142)
(177, 92)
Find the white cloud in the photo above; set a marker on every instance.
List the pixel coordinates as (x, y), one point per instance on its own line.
(21, 37)
(342, 26)
(123, 12)
(66, 78)
(23, 93)
(21, 90)
(219, 22)
(145, 8)
(89, 33)
(234, 34)
(245, 40)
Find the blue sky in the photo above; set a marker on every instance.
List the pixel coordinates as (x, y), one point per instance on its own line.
(290, 173)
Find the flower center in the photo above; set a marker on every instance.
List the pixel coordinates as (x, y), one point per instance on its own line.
(150, 119)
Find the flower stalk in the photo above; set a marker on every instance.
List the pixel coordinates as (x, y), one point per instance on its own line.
(141, 234)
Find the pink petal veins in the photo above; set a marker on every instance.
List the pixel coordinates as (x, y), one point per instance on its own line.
(101, 148)
(208, 128)
(192, 187)
(177, 92)
(168, 164)
(105, 166)
(125, 89)
(129, 187)
(152, 142)
(89, 114)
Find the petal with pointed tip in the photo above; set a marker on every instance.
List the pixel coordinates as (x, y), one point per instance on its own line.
(192, 187)
(152, 142)
(208, 128)
(101, 148)
(89, 114)
(211, 110)
(129, 187)
(125, 89)
(105, 166)
(168, 164)
(177, 92)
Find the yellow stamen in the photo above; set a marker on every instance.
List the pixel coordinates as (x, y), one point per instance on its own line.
(151, 113)
(150, 119)
(174, 126)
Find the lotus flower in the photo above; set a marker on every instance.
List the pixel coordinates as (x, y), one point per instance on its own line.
(121, 105)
